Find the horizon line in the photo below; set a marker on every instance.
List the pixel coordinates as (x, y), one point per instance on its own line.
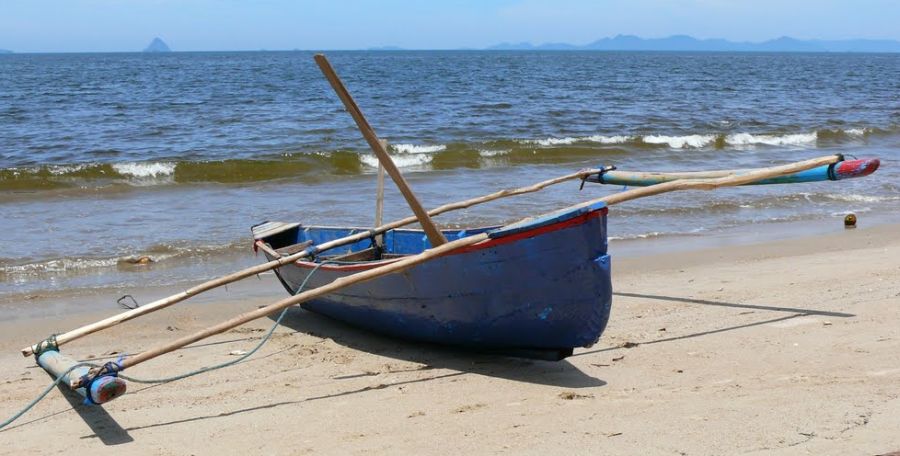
(545, 46)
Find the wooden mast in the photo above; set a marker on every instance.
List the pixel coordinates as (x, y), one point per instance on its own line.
(434, 235)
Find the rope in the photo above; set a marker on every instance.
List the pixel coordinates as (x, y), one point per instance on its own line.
(262, 342)
(41, 396)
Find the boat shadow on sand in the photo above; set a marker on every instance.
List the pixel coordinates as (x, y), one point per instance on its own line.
(433, 356)
(791, 313)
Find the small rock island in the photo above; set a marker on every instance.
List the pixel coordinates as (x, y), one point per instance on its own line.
(157, 45)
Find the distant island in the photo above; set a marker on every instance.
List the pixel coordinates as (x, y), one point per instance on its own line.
(689, 43)
(5, 51)
(157, 45)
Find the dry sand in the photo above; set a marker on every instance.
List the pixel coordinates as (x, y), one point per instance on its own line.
(791, 347)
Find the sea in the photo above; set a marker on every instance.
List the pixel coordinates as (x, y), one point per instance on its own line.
(105, 158)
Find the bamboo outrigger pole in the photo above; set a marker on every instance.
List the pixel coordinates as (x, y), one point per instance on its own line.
(61, 339)
(434, 235)
(400, 265)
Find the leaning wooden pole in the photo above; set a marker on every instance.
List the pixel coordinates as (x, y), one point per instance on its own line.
(168, 301)
(435, 252)
(434, 235)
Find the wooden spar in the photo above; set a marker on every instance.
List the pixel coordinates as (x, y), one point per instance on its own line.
(163, 303)
(379, 198)
(434, 235)
(296, 299)
(427, 255)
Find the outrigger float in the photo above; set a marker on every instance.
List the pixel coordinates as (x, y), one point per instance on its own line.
(537, 287)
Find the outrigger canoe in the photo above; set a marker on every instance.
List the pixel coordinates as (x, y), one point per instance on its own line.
(536, 288)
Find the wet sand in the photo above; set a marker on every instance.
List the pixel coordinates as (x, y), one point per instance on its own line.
(789, 347)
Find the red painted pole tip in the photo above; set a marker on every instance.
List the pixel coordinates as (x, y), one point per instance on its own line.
(856, 168)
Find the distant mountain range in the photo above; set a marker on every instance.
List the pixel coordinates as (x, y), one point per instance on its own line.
(5, 51)
(689, 43)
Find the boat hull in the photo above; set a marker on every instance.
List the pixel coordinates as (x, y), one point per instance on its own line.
(538, 287)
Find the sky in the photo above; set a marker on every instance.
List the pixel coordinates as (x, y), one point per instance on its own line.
(210, 25)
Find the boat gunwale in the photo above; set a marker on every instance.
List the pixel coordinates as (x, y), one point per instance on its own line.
(578, 219)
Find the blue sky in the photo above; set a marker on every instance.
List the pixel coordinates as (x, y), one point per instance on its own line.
(190, 25)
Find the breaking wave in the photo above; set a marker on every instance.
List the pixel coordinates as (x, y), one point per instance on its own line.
(744, 139)
(695, 141)
(417, 148)
(402, 161)
(680, 142)
(144, 170)
(158, 254)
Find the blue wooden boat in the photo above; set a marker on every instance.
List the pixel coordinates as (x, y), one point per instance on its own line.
(538, 288)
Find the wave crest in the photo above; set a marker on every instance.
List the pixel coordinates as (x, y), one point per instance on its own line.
(680, 142)
(746, 139)
(418, 148)
(145, 170)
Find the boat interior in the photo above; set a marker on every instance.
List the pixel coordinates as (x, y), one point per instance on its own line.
(290, 238)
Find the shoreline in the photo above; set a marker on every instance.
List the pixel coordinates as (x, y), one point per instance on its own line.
(42, 303)
(769, 348)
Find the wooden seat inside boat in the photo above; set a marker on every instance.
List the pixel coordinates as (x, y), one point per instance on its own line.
(369, 254)
(292, 249)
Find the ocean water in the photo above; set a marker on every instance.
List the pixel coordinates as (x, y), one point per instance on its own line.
(105, 157)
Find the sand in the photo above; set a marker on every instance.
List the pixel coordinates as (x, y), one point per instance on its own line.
(791, 347)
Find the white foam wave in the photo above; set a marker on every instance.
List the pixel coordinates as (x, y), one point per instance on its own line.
(59, 265)
(652, 234)
(858, 210)
(145, 170)
(554, 141)
(402, 161)
(617, 139)
(746, 139)
(59, 170)
(492, 153)
(857, 131)
(855, 198)
(417, 148)
(680, 142)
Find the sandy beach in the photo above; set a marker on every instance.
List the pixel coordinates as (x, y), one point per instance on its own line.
(789, 347)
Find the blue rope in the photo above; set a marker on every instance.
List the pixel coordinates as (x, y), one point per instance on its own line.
(262, 342)
(44, 394)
